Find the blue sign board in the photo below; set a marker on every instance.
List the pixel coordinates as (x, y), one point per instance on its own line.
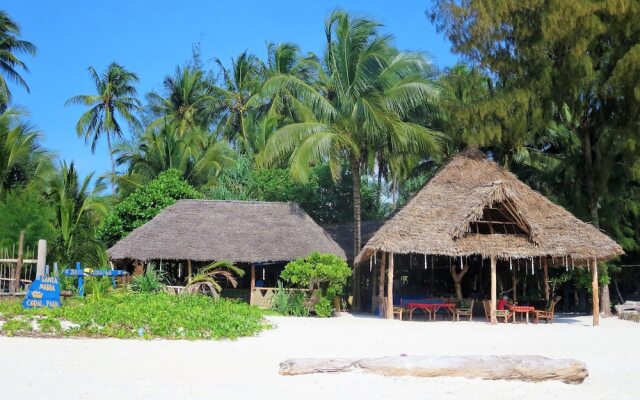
(43, 292)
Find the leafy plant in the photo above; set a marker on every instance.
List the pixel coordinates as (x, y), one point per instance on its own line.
(324, 307)
(206, 280)
(152, 281)
(290, 303)
(49, 325)
(324, 271)
(97, 287)
(160, 315)
(14, 326)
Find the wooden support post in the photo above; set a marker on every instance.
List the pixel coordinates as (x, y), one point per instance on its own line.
(18, 271)
(514, 285)
(189, 271)
(595, 292)
(373, 285)
(42, 257)
(494, 290)
(381, 301)
(545, 274)
(252, 285)
(389, 310)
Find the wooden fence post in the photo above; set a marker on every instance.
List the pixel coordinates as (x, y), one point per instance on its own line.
(42, 258)
(16, 282)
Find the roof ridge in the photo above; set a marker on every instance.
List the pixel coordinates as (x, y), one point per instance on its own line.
(236, 201)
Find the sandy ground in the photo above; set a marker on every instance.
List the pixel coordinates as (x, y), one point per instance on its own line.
(248, 368)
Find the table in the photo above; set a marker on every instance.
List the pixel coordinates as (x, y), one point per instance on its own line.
(430, 309)
(523, 310)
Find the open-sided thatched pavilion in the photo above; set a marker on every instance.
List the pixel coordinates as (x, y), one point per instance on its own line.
(473, 207)
(243, 232)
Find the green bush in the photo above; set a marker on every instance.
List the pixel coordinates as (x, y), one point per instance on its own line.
(290, 303)
(145, 203)
(151, 315)
(14, 326)
(49, 325)
(152, 281)
(324, 271)
(324, 308)
(97, 287)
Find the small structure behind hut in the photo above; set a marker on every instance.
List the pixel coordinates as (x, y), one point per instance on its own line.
(258, 236)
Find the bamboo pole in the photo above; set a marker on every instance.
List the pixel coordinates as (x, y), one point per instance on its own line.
(494, 295)
(373, 284)
(189, 271)
(381, 302)
(389, 310)
(16, 281)
(594, 290)
(514, 284)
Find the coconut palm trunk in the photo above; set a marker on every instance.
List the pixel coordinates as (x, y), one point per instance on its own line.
(357, 234)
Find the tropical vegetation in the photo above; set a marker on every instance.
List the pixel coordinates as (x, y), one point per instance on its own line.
(550, 90)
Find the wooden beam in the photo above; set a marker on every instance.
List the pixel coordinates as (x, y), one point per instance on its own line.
(514, 285)
(189, 271)
(595, 290)
(389, 310)
(494, 290)
(545, 274)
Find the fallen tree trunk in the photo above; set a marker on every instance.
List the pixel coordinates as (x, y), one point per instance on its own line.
(523, 368)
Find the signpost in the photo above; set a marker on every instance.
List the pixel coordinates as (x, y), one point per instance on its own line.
(80, 273)
(43, 292)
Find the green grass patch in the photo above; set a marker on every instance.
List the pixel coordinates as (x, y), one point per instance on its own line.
(16, 326)
(49, 325)
(150, 315)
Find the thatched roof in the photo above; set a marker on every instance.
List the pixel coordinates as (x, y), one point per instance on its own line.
(343, 234)
(449, 217)
(237, 231)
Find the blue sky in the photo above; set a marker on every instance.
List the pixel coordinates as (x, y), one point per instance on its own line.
(152, 39)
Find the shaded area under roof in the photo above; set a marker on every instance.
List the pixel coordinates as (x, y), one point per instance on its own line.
(237, 231)
(440, 219)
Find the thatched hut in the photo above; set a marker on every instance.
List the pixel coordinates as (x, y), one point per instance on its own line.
(243, 232)
(474, 207)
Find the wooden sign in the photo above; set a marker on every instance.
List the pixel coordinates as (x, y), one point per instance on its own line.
(43, 292)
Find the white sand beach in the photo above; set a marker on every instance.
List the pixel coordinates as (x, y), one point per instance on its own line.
(248, 368)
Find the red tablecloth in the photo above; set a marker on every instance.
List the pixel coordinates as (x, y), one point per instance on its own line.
(522, 309)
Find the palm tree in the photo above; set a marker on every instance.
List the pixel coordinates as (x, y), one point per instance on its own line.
(189, 103)
(116, 96)
(196, 153)
(10, 44)
(363, 107)
(22, 160)
(239, 85)
(79, 209)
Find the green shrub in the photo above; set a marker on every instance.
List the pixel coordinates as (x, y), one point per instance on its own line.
(155, 315)
(97, 287)
(14, 326)
(10, 308)
(290, 303)
(324, 308)
(324, 271)
(49, 325)
(152, 281)
(145, 203)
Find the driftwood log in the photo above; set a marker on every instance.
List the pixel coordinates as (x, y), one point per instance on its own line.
(523, 368)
